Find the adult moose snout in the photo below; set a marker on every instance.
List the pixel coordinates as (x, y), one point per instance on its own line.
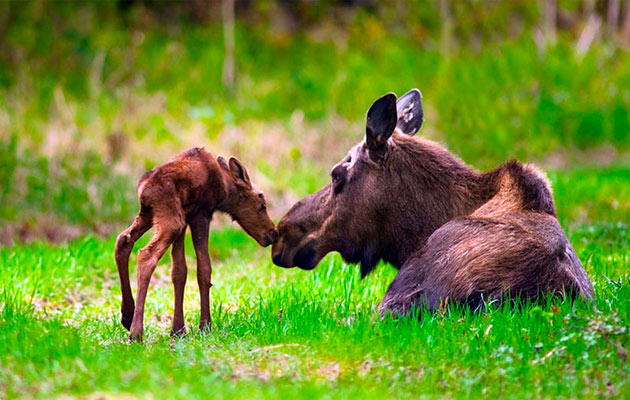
(295, 247)
(304, 256)
(277, 253)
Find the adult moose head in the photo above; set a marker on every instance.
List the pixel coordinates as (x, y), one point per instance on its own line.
(385, 197)
(393, 193)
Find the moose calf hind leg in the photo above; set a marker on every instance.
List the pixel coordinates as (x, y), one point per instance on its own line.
(178, 277)
(124, 246)
(148, 258)
(199, 229)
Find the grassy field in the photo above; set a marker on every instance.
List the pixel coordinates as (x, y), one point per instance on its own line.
(306, 334)
(91, 98)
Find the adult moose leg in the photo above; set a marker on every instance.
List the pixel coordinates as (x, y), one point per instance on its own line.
(178, 277)
(124, 245)
(199, 227)
(406, 291)
(169, 225)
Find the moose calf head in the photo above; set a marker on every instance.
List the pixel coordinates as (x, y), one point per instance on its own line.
(246, 204)
(363, 211)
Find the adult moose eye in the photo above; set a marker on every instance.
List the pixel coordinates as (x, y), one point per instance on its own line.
(338, 176)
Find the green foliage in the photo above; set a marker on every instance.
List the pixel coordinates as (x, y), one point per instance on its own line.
(76, 189)
(84, 85)
(584, 195)
(509, 99)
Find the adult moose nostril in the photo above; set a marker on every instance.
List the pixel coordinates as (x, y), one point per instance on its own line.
(305, 257)
(277, 258)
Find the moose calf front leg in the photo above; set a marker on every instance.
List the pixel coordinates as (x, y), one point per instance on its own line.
(200, 228)
(178, 277)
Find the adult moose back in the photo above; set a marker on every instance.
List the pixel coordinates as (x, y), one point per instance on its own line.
(455, 234)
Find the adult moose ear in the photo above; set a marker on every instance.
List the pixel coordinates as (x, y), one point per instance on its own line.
(223, 163)
(239, 173)
(380, 121)
(410, 112)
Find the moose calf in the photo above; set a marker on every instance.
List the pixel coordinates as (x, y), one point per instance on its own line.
(186, 191)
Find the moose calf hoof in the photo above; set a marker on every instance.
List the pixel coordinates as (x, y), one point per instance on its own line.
(205, 326)
(135, 336)
(126, 319)
(179, 332)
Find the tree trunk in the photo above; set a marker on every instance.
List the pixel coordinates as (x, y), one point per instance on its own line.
(625, 27)
(550, 11)
(229, 73)
(447, 27)
(613, 17)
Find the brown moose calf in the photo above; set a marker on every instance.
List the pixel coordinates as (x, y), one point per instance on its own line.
(186, 191)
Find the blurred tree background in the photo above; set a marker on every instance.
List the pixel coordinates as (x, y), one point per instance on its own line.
(94, 93)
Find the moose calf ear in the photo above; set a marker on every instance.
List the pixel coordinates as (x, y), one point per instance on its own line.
(381, 121)
(410, 112)
(238, 171)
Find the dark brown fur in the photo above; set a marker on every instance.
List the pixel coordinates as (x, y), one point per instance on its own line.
(186, 191)
(452, 232)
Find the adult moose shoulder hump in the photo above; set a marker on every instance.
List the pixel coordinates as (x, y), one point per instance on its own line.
(454, 233)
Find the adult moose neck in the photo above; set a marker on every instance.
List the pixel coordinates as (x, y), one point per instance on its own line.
(432, 186)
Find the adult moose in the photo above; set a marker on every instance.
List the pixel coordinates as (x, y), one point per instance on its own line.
(454, 234)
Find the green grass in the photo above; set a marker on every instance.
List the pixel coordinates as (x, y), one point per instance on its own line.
(60, 331)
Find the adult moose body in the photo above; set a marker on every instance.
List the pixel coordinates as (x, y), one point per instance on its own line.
(454, 234)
